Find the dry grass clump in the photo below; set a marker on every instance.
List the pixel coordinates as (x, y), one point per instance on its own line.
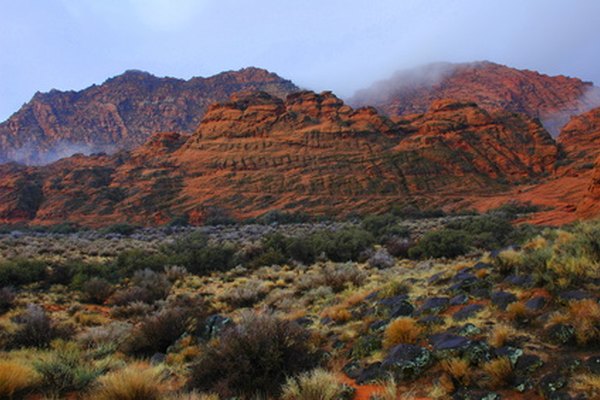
(404, 330)
(15, 378)
(317, 384)
(587, 384)
(518, 311)
(508, 260)
(500, 335)
(458, 369)
(135, 382)
(498, 371)
(338, 314)
(246, 294)
(584, 315)
(194, 396)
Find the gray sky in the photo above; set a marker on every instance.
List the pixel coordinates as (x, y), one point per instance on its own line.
(339, 45)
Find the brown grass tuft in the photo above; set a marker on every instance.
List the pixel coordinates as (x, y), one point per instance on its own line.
(402, 330)
(458, 369)
(135, 382)
(15, 378)
(498, 371)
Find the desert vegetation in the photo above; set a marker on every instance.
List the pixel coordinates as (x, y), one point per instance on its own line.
(407, 304)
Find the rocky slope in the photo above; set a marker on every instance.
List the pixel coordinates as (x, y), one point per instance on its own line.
(310, 152)
(553, 99)
(121, 113)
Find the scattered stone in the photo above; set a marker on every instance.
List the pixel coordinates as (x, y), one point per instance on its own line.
(467, 312)
(523, 281)
(158, 358)
(352, 369)
(448, 341)
(550, 384)
(528, 363)
(431, 320)
(561, 334)
(371, 373)
(512, 353)
(378, 326)
(214, 326)
(574, 295)
(407, 362)
(459, 299)
(434, 305)
(470, 394)
(467, 330)
(536, 303)
(593, 364)
(397, 306)
(503, 299)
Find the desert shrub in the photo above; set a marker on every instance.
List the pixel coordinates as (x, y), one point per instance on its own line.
(217, 216)
(443, 243)
(282, 217)
(81, 272)
(65, 371)
(134, 382)
(198, 256)
(381, 259)
(175, 273)
(64, 228)
(486, 231)
(96, 290)
(36, 329)
(15, 379)
(111, 335)
(302, 249)
(378, 225)
(339, 276)
(398, 246)
(317, 384)
(514, 208)
(245, 295)
(343, 245)
(254, 357)
(157, 332)
(130, 261)
(120, 229)
(404, 330)
(7, 298)
(20, 271)
(414, 212)
(129, 308)
(146, 286)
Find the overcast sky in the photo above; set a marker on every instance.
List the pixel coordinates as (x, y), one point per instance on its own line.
(339, 45)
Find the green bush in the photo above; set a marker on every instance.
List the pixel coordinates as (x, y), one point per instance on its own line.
(20, 271)
(121, 229)
(443, 243)
(198, 256)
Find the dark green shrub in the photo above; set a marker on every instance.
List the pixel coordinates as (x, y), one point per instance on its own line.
(198, 256)
(121, 229)
(486, 231)
(65, 371)
(253, 358)
(344, 245)
(96, 290)
(157, 332)
(129, 261)
(7, 298)
(36, 329)
(447, 243)
(21, 271)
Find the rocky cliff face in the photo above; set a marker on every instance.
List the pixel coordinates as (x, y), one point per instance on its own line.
(121, 113)
(309, 152)
(552, 99)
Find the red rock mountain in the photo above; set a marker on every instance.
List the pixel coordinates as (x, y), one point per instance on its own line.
(309, 152)
(121, 113)
(552, 99)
